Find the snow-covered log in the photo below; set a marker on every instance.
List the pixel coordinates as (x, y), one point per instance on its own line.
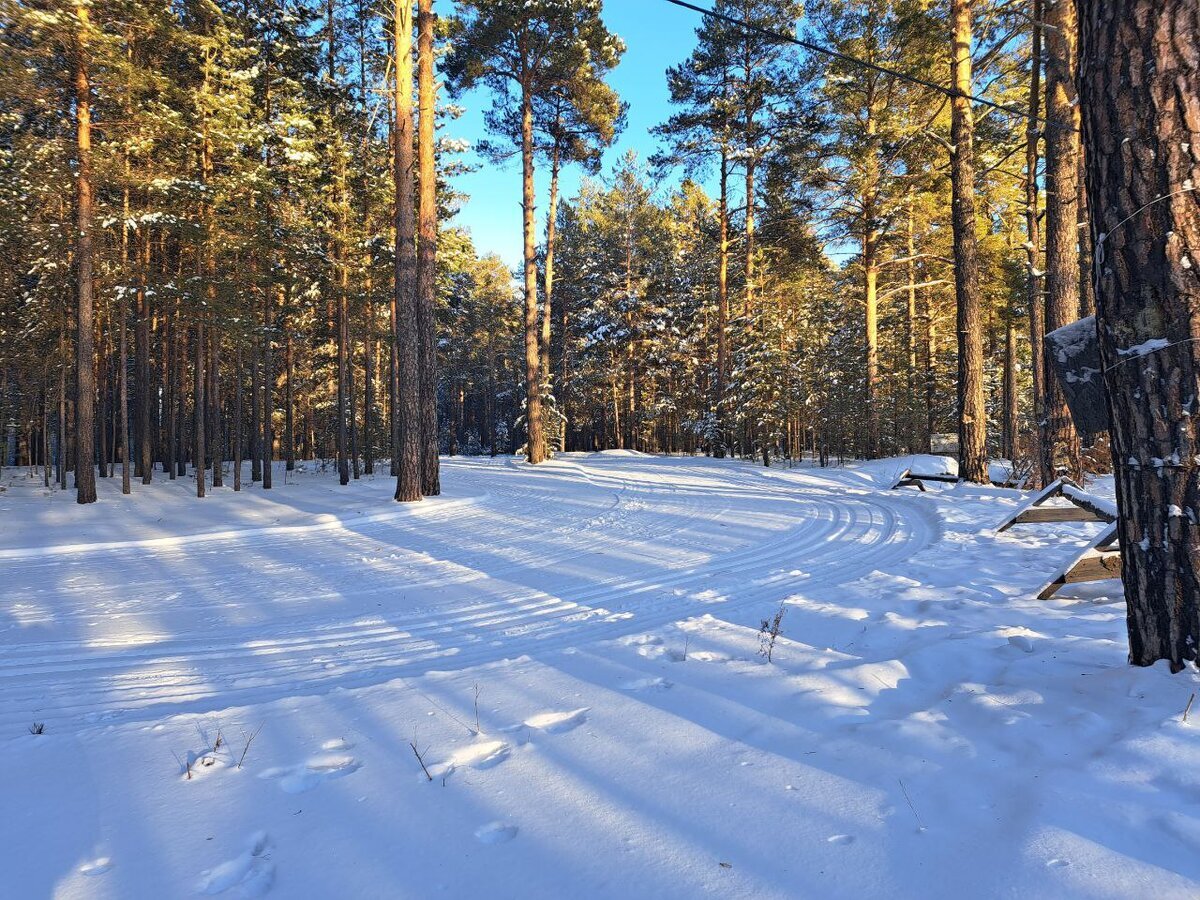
(1075, 352)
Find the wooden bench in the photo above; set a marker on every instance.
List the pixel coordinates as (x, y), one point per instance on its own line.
(908, 478)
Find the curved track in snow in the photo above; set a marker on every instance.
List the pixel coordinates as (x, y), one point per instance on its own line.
(518, 561)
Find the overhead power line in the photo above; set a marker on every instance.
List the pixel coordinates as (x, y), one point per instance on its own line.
(855, 61)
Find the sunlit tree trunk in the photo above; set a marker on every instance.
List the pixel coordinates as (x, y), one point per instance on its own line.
(427, 236)
(408, 479)
(972, 415)
(85, 376)
(1059, 442)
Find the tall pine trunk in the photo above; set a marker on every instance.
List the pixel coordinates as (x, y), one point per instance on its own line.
(427, 236)
(535, 440)
(1141, 125)
(972, 415)
(1033, 243)
(1059, 442)
(85, 376)
(408, 478)
(718, 449)
(198, 451)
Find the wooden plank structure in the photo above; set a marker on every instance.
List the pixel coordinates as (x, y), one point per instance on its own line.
(1100, 560)
(909, 478)
(1084, 507)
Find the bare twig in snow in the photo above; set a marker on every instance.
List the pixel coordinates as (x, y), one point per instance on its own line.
(420, 759)
(249, 740)
(920, 826)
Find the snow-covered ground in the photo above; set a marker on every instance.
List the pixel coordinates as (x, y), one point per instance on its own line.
(573, 650)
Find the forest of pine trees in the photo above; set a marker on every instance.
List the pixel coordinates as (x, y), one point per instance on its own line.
(228, 235)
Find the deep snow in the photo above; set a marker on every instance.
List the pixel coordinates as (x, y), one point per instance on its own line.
(573, 651)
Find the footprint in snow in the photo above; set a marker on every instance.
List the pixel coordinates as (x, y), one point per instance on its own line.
(841, 839)
(96, 866)
(480, 755)
(496, 833)
(557, 722)
(249, 874)
(319, 769)
(1057, 863)
(647, 684)
(1021, 643)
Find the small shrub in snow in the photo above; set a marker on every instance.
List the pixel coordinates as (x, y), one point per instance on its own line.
(37, 728)
(768, 632)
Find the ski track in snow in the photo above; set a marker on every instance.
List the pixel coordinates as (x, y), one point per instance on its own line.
(570, 553)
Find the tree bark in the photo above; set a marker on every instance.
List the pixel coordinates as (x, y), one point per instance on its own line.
(85, 377)
(408, 479)
(535, 440)
(198, 451)
(427, 236)
(1033, 243)
(1141, 68)
(1059, 442)
(722, 305)
(972, 422)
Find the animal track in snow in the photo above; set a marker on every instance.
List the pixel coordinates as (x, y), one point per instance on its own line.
(496, 833)
(841, 839)
(557, 722)
(250, 872)
(302, 778)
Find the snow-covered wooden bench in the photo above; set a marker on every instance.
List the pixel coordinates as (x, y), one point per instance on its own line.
(909, 478)
(1100, 560)
(1084, 507)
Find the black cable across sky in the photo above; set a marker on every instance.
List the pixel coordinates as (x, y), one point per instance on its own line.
(847, 58)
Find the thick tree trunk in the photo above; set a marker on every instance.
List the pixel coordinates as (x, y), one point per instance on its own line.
(548, 277)
(85, 376)
(535, 440)
(1059, 442)
(972, 421)
(408, 479)
(870, 264)
(427, 236)
(1141, 69)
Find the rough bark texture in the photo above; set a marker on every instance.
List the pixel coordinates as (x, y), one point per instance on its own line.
(972, 422)
(408, 477)
(1033, 244)
(427, 236)
(198, 449)
(85, 376)
(1059, 442)
(722, 306)
(1141, 100)
(535, 440)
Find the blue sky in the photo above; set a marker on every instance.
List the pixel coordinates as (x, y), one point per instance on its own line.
(657, 35)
